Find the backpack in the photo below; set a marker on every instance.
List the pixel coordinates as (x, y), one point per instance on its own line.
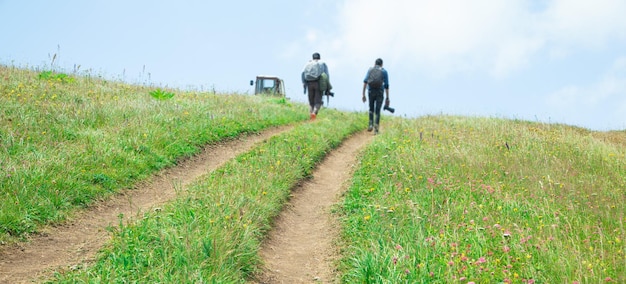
(324, 82)
(312, 71)
(375, 77)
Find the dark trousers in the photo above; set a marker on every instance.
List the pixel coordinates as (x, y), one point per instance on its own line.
(376, 98)
(315, 96)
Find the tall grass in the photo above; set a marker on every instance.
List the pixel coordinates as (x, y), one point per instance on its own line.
(66, 141)
(212, 233)
(456, 199)
(437, 199)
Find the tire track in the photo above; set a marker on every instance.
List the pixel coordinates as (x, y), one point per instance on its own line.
(75, 243)
(299, 249)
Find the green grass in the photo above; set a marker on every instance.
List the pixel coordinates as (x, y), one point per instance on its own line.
(67, 141)
(454, 199)
(213, 232)
(437, 199)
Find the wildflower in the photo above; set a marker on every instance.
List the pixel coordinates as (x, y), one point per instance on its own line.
(481, 260)
(398, 247)
(367, 217)
(506, 249)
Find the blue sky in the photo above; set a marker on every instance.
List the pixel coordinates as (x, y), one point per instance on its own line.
(557, 61)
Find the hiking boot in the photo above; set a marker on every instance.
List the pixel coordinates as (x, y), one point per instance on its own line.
(370, 127)
(376, 129)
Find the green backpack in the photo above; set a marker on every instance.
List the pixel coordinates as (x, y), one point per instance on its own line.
(324, 83)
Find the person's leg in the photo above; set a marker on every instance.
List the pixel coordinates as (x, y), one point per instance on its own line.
(378, 106)
(318, 99)
(311, 92)
(372, 107)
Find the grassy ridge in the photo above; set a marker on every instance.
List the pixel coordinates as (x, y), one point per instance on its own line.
(436, 199)
(456, 199)
(65, 141)
(212, 233)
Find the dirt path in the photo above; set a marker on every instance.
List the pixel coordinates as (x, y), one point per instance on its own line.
(76, 243)
(300, 247)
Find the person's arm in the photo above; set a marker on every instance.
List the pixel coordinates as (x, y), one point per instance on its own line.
(364, 87)
(387, 99)
(386, 85)
(303, 82)
(365, 84)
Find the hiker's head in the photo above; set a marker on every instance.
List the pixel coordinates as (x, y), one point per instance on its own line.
(316, 55)
(379, 62)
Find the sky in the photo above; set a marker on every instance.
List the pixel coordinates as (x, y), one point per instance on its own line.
(551, 61)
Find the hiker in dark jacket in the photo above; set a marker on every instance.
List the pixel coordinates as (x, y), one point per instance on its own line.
(377, 82)
(312, 85)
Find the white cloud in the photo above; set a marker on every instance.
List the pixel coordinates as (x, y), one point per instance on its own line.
(582, 22)
(605, 99)
(494, 37)
(611, 86)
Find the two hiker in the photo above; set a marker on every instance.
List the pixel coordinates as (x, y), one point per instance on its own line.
(315, 80)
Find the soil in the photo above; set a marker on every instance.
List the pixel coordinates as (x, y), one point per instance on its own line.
(301, 246)
(299, 249)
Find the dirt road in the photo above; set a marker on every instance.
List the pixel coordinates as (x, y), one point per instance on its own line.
(299, 250)
(300, 247)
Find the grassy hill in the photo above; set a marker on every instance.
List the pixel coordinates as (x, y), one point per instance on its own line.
(456, 199)
(435, 199)
(67, 141)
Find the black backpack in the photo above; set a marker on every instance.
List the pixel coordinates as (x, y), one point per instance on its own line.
(375, 77)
